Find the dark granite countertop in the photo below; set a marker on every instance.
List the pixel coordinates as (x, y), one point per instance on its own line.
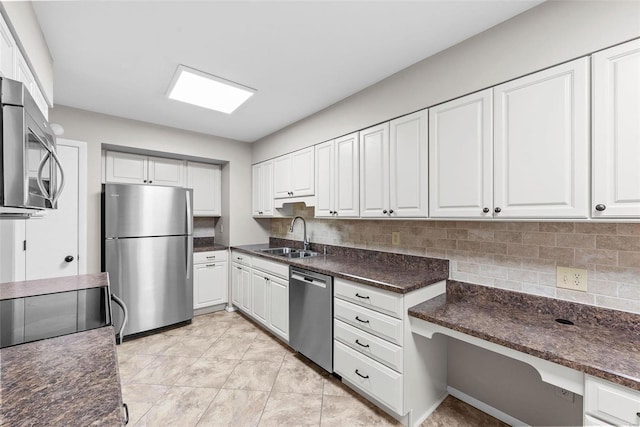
(207, 244)
(11, 290)
(68, 380)
(389, 271)
(603, 343)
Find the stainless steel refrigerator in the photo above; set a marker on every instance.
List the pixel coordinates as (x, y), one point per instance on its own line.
(147, 251)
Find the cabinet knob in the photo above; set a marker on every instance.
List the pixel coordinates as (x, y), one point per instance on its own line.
(390, 211)
(384, 211)
(330, 212)
(486, 210)
(335, 213)
(497, 210)
(68, 258)
(600, 207)
(145, 181)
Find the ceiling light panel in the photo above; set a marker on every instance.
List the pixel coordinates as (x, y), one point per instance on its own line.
(204, 90)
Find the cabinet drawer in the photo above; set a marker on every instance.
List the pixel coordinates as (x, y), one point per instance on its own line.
(276, 268)
(383, 351)
(366, 296)
(379, 324)
(611, 402)
(209, 256)
(594, 422)
(368, 375)
(241, 258)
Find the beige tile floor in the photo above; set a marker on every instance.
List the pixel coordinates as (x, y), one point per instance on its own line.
(223, 370)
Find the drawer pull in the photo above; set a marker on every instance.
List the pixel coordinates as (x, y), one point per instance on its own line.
(210, 265)
(211, 257)
(360, 375)
(360, 296)
(362, 345)
(360, 320)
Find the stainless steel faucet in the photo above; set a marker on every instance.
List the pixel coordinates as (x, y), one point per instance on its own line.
(305, 242)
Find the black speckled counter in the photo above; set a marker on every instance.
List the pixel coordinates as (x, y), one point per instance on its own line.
(389, 271)
(65, 381)
(207, 244)
(71, 380)
(603, 343)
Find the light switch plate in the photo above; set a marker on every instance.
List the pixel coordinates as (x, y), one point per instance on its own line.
(571, 278)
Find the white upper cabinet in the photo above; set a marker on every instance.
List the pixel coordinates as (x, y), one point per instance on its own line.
(205, 179)
(293, 174)
(7, 52)
(393, 168)
(616, 132)
(262, 189)
(461, 157)
(408, 166)
(337, 177)
(137, 169)
(541, 144)
(374, 171)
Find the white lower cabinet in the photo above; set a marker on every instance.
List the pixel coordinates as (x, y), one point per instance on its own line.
(606, 403)
(260, 289)
(210, 279)
(374, 349)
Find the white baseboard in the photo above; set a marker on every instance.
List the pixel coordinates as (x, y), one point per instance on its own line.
(496, 413)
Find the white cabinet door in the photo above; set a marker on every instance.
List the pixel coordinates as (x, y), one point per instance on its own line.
(245, 293)
(616, 132)
(541, 145)
(374, 171)
(293, 174)
(166, 172)
(279, 307)
(209, 284)
(262, 189)
(236, 284)
(281, 173)
(461, 157)
(408, 166)
(260, 296)
(325, 179)
(301, 180)
(126, 168)
(346, 177)
(7, 52)
(205, 180)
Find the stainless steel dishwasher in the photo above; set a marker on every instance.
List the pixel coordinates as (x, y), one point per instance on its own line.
(311, 316)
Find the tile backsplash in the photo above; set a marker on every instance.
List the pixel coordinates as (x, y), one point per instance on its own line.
(204, 226)
(520, 256)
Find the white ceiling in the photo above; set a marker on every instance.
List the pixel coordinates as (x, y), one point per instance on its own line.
(118, 57)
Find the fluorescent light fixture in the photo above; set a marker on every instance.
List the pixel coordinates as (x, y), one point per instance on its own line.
(204, 90)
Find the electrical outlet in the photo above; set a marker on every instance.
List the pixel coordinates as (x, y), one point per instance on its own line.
(565, 394)
(395, 238)
(571, 278)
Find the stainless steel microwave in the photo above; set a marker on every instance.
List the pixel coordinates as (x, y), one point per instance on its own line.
(31, 176)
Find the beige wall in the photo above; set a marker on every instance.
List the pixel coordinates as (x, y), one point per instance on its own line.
(553, 32)
(25, 22)
(96, 129)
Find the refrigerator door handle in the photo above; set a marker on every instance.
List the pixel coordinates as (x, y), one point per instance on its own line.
(189, 256)
(189, 214)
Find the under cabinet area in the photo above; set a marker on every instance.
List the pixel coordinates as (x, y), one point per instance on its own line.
(616, 132)
(260, 289)
(205, 180)
(210, 279)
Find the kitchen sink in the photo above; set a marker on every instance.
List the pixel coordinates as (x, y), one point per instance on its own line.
(289, 252)
(279, 251)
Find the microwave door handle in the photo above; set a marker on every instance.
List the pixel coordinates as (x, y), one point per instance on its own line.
(58, 191)
(43, 161)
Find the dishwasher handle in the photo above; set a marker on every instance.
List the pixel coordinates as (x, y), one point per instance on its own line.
(309, 280)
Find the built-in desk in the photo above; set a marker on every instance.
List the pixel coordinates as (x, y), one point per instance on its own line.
(601, 343)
